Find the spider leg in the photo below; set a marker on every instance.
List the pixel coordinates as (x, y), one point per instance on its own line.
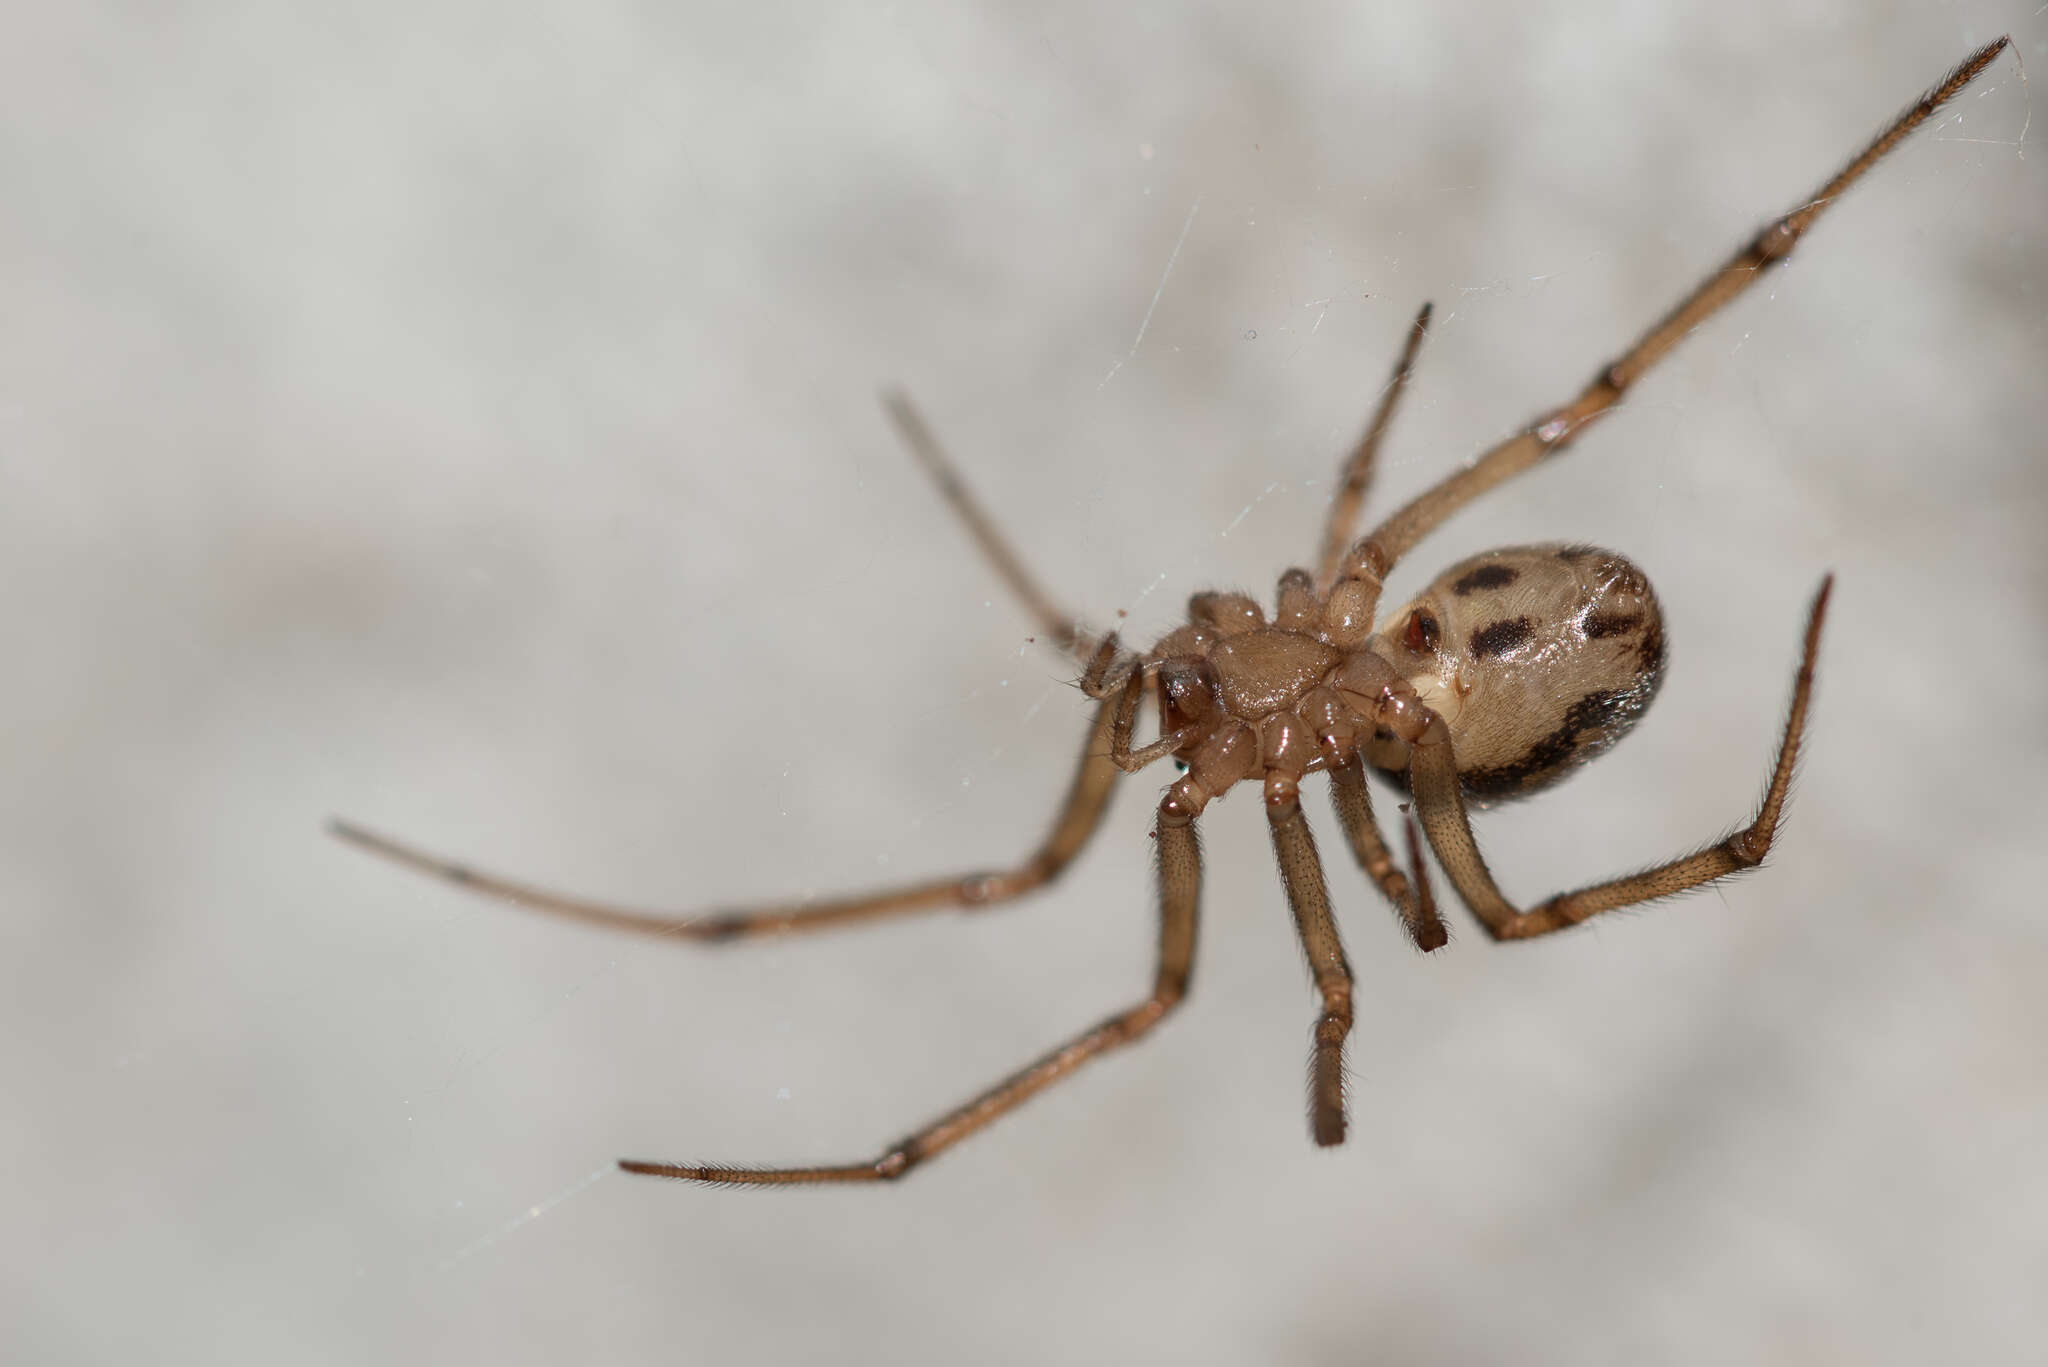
(1425, 896)
(1130, 695)
(1414, 905)
(1550, 434)
(1294, 846)
(1060, 626)
(1358, 468)
(1180, 886)
(1079, 814)
(1433, 775)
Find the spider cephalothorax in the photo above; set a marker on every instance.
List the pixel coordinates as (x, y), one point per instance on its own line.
(1508, 671)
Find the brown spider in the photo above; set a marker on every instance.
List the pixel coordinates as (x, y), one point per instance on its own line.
(1511, 669)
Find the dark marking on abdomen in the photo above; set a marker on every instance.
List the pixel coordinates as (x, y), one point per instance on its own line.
(1485, 577)
(1650, 656)
(1498, 638)
(1599, 624)
(1601, 714)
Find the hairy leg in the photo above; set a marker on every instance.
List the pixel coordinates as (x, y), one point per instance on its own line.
(1180, 886)
(1356, 476)
(1433, 774)
(1087, 798)
(1374, 555)
(1412, 903)
(1061, 628)
(1294, 846)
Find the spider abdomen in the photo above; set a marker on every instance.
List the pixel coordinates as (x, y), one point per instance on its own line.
(1538, 658)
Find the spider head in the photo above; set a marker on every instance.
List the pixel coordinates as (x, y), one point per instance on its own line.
(1537, 657)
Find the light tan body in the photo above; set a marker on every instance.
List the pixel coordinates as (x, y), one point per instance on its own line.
(1512, 668)
(1537, 657)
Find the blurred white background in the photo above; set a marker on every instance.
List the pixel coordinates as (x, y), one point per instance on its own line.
(462, 418)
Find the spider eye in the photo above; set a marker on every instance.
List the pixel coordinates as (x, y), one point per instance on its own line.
(1422, 632)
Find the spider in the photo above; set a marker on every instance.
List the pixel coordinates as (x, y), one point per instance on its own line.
(1510, 670)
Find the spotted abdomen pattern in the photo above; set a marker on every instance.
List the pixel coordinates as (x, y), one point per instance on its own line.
(1537, 657)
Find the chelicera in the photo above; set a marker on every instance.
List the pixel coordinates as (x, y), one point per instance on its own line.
(1511, 669)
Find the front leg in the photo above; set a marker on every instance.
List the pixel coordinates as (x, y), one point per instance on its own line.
(1549, 434)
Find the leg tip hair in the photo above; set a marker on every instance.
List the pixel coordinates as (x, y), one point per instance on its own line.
(677, 1171)
(1981, 58)
(1817, 614)
(367, 840)
(1428, 929)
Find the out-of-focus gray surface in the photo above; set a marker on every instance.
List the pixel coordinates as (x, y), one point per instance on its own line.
(463, 418)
